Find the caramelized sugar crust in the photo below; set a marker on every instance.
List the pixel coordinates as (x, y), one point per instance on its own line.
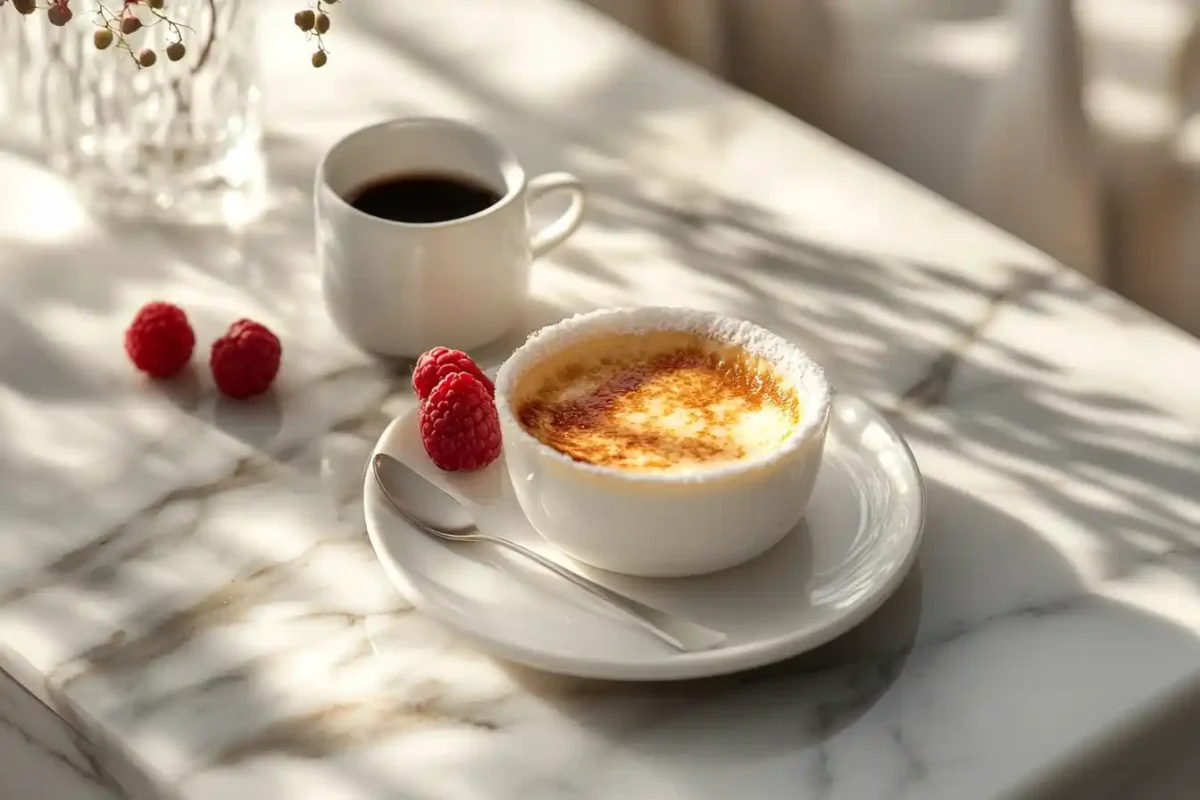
(657, 402)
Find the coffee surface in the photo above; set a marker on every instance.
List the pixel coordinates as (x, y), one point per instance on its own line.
(422, 198)
(657, 402)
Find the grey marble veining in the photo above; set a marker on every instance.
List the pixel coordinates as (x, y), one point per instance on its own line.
(191, 591)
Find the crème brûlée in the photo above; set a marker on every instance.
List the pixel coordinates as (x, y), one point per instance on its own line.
(657, 401)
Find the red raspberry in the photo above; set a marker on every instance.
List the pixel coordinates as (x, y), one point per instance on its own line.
(459, 425)
(245, 360)
(439, 362)
(160, 341)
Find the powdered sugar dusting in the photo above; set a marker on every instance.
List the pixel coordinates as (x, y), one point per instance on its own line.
(791, 362)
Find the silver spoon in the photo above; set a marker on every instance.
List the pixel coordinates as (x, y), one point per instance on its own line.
(677, 632)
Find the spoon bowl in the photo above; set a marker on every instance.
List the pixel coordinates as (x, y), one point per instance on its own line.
(420, 502)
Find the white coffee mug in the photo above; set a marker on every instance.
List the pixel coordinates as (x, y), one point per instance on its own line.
(399, 288)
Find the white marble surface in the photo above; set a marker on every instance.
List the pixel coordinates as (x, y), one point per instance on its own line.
(186, 581)
(41, 755)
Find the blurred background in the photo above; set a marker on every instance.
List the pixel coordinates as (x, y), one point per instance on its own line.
(1070, 123)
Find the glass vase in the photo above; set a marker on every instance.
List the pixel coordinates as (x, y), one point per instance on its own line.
(22, 43)
(179, 140)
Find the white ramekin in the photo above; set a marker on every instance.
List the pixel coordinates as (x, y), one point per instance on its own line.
(665, 525)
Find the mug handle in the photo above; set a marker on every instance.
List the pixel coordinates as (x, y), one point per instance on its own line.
(557, 231)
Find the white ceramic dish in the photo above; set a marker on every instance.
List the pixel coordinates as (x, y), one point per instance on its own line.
(857, 541)
(665, 525)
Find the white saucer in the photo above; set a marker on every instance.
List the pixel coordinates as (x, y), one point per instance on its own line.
(859, 539)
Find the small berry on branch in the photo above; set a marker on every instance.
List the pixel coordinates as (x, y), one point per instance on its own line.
(116, 20)
(58, 13)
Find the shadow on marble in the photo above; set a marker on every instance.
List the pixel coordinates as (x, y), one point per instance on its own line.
(261, 259)
(61, 380)
(854, 672)
(1152, 757)
(256, 421)
(185, 389)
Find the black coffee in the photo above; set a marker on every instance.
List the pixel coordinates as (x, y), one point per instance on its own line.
(423, 198)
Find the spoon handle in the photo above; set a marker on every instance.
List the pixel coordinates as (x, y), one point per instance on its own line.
(679, 633)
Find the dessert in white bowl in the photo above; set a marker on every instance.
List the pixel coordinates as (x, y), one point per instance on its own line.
(662, 442)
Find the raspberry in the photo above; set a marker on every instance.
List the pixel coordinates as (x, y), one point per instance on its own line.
(459, 425)
(245, 360)
(160, 341)
(440, 362)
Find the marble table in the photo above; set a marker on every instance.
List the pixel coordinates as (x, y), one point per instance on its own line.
(189, 606)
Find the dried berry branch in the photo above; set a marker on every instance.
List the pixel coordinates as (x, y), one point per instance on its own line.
(116, 26)
(315, 22)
